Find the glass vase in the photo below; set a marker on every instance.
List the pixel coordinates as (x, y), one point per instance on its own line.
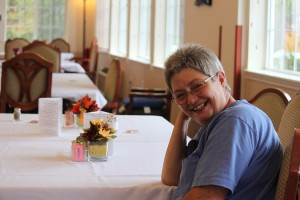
(80, 119)
(97, 151)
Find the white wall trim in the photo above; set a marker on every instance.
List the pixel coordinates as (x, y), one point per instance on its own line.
(273, 78)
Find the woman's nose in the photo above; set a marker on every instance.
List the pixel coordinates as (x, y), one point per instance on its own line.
(191, 97)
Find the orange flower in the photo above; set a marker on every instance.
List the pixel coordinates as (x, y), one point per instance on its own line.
(85, 103)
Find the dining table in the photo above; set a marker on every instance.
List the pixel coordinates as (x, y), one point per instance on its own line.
(67, 65)
(70, 66)
(35, 165)
(74, 86)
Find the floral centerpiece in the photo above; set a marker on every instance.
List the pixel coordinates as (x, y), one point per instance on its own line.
(84, 105)
(96, 137)
(98, 131)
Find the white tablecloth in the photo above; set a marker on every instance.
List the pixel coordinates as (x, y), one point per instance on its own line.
(66, 56)
(37, 166)
(74, 86)
(70, 66)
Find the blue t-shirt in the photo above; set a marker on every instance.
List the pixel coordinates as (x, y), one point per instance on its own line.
(239, 150)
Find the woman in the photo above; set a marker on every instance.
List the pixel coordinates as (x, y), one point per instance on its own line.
(237, 153)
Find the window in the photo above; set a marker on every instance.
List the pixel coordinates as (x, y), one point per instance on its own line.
(118, 32)
(168, 29)
(102, 27)
(147, 31)
(283, 35)
(35, 19)
(140, 27)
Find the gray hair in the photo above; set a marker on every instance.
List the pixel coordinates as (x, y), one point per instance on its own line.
(192, 56)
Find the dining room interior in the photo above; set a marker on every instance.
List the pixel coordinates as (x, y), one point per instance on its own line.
(114, 52)
(231, 33)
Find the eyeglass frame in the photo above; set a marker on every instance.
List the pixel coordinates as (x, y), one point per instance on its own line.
(202, 85)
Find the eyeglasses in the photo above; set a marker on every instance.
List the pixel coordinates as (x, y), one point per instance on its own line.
(180, 97)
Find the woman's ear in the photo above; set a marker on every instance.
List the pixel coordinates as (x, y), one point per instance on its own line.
(221, 78)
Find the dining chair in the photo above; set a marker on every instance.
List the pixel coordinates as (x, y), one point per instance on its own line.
(287, 186)
(61, 44)
(48, 52)
(89, 63)
(153, 101)
(272, 101)
(112, 86)
(25, 78)
(13, 47)
(290, 120)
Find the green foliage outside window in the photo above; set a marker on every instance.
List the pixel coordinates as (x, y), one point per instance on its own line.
(35, 19)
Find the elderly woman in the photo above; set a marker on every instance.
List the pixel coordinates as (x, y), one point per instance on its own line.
(237, 153)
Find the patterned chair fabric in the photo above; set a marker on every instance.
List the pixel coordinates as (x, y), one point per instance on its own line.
(25, 78)
(60, 44)
(112, 86)
(290, 120)
(287, 186)
(47, 52)
(273, 102)
(13, 47)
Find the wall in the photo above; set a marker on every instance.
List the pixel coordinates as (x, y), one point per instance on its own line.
(201, 26)
(255, 82)
(74, 24)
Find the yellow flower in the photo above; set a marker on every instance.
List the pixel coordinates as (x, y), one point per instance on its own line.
(105, 134)
(98, 131)
(97, 122)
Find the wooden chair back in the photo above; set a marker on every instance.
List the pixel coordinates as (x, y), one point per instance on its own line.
(89, 61)
(47, 52)
(25, 78)
(61, 45)
(287, 187)
(93, 58)
(112, 86)
(13, 47)
(273, 102)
